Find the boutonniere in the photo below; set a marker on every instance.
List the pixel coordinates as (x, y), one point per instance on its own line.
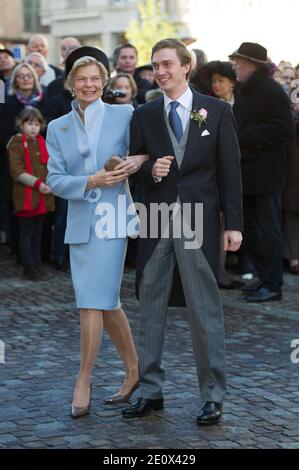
(199, 116)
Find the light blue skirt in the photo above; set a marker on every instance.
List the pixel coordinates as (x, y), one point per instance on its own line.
(97, 270)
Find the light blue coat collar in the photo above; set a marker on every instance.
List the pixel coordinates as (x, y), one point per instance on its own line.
(88, 133)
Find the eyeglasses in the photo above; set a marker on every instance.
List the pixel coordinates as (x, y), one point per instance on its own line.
(25, 76)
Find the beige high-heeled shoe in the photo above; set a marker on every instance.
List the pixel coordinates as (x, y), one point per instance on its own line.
(78, 411)
(115, 399)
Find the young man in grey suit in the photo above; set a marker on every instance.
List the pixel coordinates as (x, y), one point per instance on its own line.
(194, 157)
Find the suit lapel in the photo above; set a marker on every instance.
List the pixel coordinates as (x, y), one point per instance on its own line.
(194, 137)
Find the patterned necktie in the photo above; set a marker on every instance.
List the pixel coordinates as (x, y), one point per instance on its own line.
(175, 121)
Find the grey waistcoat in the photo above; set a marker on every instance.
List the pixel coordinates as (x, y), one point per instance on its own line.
(178, 148)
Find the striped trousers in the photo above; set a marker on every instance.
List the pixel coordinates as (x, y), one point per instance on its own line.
(205, 315)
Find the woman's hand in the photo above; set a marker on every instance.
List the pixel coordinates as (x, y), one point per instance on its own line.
(109, 178)
(132, 163)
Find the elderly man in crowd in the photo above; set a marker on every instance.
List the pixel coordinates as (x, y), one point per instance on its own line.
(39, 43)
(264, 119)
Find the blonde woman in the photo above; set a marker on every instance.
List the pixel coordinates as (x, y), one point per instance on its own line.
(79, 144)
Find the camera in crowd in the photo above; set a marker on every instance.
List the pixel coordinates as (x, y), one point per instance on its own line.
(111, 95)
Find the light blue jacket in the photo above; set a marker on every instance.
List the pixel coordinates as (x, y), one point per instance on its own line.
(71, 160)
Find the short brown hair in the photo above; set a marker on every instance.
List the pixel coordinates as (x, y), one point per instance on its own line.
(30, 114)
(181, 50)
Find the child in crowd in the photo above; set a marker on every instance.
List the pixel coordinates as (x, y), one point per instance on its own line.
(32, 197)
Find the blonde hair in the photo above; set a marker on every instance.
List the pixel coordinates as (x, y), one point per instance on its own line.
(87, 60)
(132, 82)
(13, 88)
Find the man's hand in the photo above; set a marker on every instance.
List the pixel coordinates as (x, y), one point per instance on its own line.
(232, 240)
(162, 166)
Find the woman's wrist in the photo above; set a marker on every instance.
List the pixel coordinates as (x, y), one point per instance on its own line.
(90, 183)
(93, 181)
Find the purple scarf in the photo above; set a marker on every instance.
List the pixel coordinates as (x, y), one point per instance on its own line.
(31, 100)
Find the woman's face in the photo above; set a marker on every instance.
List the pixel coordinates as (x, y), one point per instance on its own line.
(88, 85)
(24, 80)
(123, 84)
(221, 86)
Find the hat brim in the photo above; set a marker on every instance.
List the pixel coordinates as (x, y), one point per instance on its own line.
(86, 51)
(249, 59)
(222, 68)
(144, 67)
(7, 51)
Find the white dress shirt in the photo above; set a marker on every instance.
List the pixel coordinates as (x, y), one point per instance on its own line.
(184, 108)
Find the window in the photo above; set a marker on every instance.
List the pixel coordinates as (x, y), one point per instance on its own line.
(31, 12)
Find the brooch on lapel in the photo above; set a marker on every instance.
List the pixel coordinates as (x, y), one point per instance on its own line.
(64, 128)
(199, 116)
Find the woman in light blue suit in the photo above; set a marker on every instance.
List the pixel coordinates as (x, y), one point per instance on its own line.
(79, 144)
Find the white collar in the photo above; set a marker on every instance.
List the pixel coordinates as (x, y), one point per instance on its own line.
(185, 100)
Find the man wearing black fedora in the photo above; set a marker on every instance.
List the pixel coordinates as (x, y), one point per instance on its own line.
(264, 121)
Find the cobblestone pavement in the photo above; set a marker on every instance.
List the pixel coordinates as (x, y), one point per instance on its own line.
(40, 329)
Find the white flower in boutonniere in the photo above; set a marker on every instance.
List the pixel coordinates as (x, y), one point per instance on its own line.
(199, 116)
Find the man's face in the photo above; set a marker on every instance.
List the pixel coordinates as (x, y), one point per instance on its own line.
(39, 45)
(66, 44)
(243, 69)
(169, 73)
(127, 60)
(36, 62)
(7, 62)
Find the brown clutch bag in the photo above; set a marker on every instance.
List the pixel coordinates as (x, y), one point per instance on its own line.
(112, 162)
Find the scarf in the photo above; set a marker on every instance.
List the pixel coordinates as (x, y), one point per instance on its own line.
(31, 100)
(28, 168)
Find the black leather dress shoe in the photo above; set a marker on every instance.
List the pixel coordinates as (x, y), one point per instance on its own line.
(231, 285)
(263, 295)
(253, 287)
(142, 407)
(209, 413)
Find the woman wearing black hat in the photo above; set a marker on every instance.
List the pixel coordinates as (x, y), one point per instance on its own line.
(220, 78)
(79, 144)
